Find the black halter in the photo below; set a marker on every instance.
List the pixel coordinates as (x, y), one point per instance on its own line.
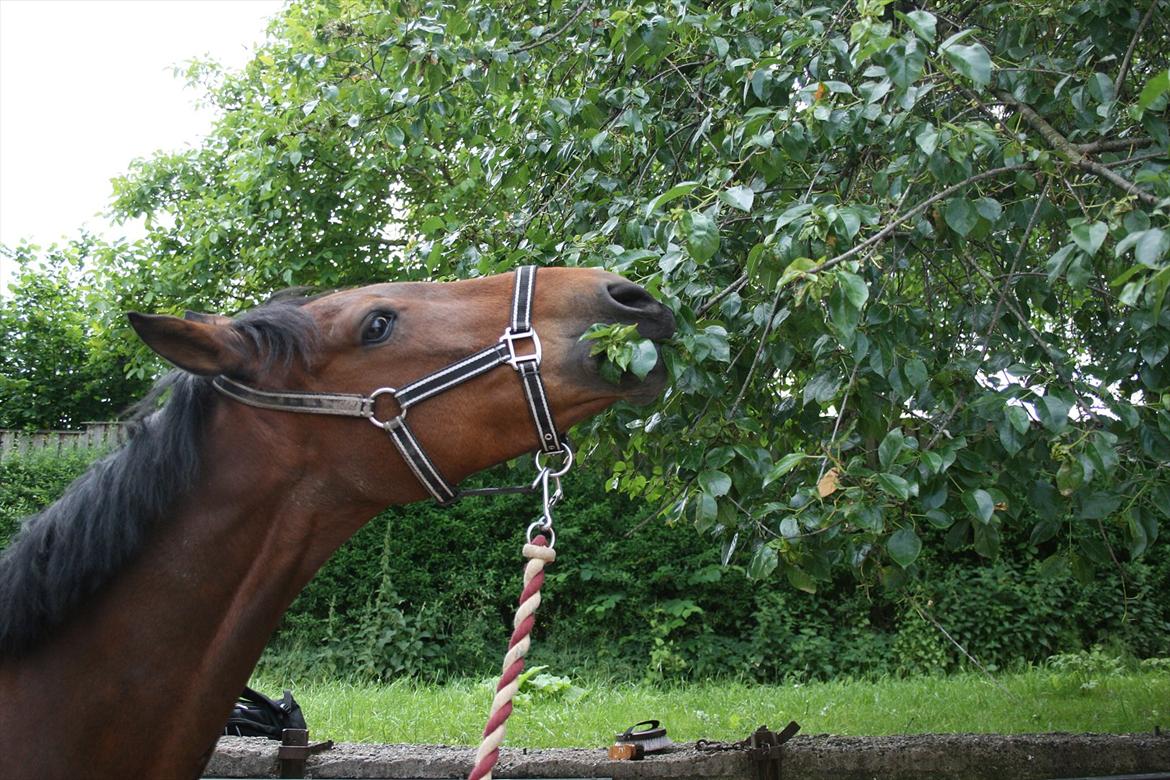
(526, 364)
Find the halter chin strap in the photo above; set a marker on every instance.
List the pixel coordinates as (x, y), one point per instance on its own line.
(518, 347)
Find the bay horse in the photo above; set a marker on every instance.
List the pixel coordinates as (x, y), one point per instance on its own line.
(133, 610)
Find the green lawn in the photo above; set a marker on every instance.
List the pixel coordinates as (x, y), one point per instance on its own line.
(1038, 700)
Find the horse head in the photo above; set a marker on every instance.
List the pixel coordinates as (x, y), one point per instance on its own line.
(373, 341)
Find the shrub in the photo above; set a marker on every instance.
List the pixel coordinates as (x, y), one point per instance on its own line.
(430, 592)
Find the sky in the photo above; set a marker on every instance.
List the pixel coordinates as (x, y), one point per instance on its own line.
(86, 86)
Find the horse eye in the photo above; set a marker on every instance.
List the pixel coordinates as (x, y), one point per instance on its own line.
(378, 327)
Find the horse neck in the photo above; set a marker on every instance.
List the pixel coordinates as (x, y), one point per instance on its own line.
(152, 664)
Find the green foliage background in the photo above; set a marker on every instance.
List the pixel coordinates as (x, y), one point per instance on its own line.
(429, 593)
(918, 254)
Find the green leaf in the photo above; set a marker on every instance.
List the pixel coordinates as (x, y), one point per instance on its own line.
(644, 359)
(856, 290)
(1154, 352)
(939, 519)
(927, 139)
(796, 269)
(821, 387)
(1069, 477)
(800, 579)
(844, 314)
(904, 546)
(921, 22)
(1152, 247)
(891, 447)
(739, 197)
(597, 142)
(916, 373)
(783, 466)
(972, 61)
(1017, 416)
(986, 540)
(1155, 88)
(1058, 263)
(980, 504)
(894, 485)
(394, 136)
(714, 482)
(1053, 411)
(702, 236)
(674, 193)
(706, 511)
(763, 562)
(961, 215)
(1139, 539)
(1089, 236)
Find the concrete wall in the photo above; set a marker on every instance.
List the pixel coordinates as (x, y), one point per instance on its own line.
(918, 757)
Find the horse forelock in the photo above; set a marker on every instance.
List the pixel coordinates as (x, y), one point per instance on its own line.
(68, 551)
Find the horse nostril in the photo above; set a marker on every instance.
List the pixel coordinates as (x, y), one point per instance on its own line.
(630, 296)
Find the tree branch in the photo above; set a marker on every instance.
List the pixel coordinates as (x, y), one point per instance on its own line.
(1114, 145)
(735, 286)
(1071, 152)
(557, 33)
(885, 232)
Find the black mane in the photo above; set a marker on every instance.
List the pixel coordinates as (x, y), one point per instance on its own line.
(71, 549)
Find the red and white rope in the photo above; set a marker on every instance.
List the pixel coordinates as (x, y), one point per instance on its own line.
(538, 554)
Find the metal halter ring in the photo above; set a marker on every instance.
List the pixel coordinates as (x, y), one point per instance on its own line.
(567, 451)
(385, 424)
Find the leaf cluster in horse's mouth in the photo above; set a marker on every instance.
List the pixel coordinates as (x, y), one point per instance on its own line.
(620, 349)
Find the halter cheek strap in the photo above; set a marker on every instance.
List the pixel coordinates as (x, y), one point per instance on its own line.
(518, 347)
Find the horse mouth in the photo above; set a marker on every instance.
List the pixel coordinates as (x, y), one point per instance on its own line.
(631, 388)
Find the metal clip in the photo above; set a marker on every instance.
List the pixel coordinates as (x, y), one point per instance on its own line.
(549, 481)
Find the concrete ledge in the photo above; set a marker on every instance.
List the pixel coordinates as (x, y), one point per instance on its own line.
(916, 757)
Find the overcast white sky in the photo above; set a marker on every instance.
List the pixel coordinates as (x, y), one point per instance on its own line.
(87, 85)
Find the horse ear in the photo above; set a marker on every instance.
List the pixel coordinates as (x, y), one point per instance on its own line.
(209, 319)
(206, 345)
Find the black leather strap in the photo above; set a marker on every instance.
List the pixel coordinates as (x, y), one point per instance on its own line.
(456, 373)
(416, 457)
(523, 291)
(339, 404)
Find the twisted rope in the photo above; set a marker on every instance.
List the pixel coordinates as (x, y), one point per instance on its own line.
(538, 554)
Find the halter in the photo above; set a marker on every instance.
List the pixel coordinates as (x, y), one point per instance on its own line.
(510, 349)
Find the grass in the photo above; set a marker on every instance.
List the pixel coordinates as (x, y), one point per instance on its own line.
(562, 715)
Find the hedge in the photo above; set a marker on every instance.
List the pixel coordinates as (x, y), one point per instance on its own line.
(429, 592)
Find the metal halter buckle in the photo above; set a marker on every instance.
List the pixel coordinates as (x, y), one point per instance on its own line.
(509, 338)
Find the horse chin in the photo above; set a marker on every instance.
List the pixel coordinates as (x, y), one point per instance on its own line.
(642, 392)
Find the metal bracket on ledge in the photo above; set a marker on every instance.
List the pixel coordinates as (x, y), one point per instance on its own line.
(295, 751)
(765, 750)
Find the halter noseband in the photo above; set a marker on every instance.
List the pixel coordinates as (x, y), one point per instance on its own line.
(505, 351)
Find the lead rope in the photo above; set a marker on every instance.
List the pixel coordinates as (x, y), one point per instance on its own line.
(539, 552)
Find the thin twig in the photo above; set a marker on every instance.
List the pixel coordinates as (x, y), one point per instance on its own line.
(938, 431)
(557, 33)
(930, 619)
(1127, 60)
